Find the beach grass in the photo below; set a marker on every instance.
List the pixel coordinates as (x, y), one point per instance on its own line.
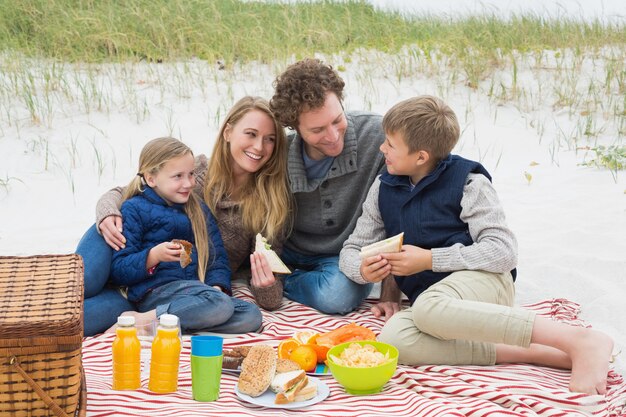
(64, 58)
(243, 31)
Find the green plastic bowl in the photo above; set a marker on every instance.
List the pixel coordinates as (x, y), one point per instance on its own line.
(363, 381)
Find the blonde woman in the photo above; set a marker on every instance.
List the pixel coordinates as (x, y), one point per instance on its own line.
(160, 206)
(244, 185)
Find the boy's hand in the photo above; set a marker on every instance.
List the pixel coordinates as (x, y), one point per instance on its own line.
(374, 268)
(411, 260)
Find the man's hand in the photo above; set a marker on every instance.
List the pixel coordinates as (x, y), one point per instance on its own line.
(262, 275)
(411, 260)
(375, 268)
(111, 229)
(390, 298)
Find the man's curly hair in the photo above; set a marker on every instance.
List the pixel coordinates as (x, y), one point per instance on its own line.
(302, 87)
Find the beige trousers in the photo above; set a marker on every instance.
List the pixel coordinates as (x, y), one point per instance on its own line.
(458, 320)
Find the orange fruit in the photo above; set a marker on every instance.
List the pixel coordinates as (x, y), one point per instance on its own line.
(286, 347)
(305, 356)
(304, 337)
(321, 352)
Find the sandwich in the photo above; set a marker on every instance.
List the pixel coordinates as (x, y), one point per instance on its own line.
(257, 370)
(185, 255)
(288, 387)
(307, 392)
(286, 365)
(277, 265)
(392, 244)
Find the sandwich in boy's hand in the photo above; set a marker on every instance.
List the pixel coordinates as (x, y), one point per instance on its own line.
(392, 244)
(185, 255)
(277, 265)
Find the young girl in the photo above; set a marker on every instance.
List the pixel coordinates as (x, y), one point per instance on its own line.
(159, 206)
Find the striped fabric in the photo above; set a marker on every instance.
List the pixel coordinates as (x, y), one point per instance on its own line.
(503, 390)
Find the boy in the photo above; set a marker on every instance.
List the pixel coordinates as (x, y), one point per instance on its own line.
(457, 263)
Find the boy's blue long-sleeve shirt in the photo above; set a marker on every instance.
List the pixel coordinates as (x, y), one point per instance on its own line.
(148, 221)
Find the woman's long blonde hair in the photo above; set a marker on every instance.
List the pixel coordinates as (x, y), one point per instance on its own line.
(265, 202)
(154, 155)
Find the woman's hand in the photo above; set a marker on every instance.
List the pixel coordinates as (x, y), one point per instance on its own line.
(374, 268)
(111, 229)
(262, 275)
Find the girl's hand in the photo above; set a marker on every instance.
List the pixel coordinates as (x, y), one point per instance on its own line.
(164, 252)
(375, 268)
(262, 275)
(411, 260)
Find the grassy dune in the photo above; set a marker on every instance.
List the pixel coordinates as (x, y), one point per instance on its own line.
(232, 30)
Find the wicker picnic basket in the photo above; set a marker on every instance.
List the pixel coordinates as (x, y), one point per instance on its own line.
(41, 333)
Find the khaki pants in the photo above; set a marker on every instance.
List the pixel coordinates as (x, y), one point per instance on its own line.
(458, 320)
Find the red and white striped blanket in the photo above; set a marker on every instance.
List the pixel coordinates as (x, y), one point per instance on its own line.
(503, 390)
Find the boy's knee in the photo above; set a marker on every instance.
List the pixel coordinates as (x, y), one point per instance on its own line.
(399, 331)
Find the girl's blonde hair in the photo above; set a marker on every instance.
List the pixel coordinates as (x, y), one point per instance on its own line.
(154, 155)
(265, 199)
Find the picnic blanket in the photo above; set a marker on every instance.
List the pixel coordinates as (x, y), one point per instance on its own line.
(502, 390)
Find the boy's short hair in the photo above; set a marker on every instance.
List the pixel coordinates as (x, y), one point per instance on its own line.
(426, 123)
(302, 87)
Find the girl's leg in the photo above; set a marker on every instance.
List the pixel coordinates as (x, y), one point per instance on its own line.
(246, 318)
(198, 306)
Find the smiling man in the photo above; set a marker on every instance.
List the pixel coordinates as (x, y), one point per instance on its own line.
(333, 160)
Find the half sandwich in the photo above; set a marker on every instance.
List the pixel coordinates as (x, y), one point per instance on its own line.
(293, 386)
(389, 245)
(277, 265)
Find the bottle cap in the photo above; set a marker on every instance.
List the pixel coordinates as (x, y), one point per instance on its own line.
(126, 321)
(169, 320)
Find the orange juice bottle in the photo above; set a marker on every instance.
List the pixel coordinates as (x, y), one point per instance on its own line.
(126, 351)
(165, 356)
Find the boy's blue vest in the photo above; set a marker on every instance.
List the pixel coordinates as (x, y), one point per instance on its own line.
(429, 215)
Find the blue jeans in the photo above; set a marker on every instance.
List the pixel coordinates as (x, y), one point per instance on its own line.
(318, 283)
(102, 304)
(202, 308)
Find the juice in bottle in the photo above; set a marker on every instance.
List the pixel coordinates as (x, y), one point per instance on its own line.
(165, 356)
(126, 351)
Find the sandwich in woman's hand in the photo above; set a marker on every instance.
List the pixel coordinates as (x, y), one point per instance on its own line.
(185, 255)
(392, 244)
(277, 265)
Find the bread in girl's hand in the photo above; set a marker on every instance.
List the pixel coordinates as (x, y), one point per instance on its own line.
(185, 255)
(392, 244)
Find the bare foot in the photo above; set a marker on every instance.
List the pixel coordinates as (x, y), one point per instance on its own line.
(590, 362)
(142, 320)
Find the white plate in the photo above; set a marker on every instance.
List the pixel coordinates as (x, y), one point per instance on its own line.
(267, 398)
